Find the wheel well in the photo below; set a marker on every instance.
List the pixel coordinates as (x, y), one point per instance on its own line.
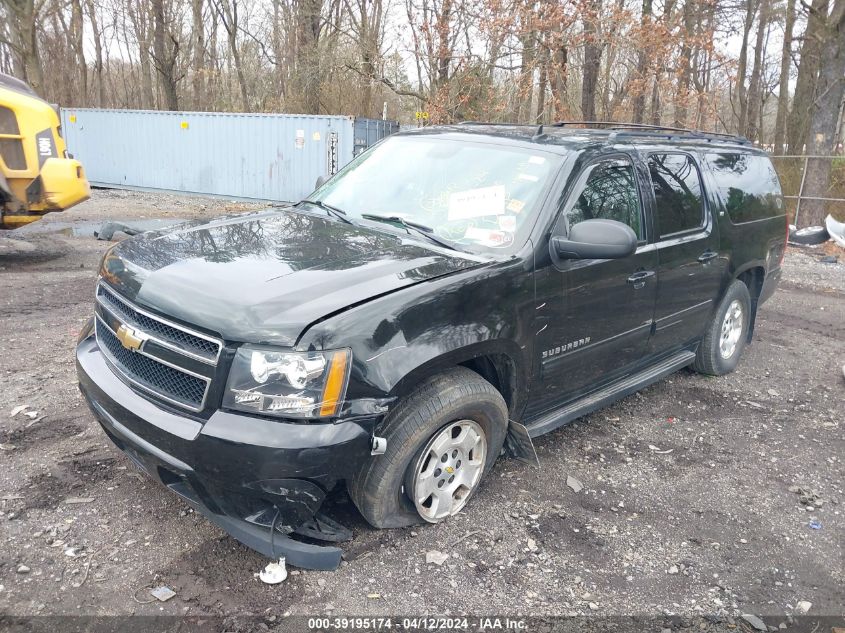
(753, 279)
(499, 371)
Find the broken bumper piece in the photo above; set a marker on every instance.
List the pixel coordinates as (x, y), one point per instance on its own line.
(244, 474)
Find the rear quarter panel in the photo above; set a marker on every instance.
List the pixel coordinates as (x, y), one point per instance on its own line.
(748, 245)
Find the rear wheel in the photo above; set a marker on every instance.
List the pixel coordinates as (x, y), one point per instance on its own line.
(441, 441)
(726, 336)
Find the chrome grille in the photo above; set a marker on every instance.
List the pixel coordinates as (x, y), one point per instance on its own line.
(172, 362)
(201, 346)
(154, 376)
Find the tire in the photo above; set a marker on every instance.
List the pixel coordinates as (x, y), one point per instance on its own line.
(809, 236)
(726, 336)
(458, 396)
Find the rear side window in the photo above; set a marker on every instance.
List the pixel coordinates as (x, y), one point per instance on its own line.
(747, 184)
(607, 190)
(677, 193)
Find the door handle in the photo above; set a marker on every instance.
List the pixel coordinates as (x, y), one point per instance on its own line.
(706, 256)
(639, 278)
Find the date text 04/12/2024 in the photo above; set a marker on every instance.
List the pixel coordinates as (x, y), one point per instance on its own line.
(419, 624)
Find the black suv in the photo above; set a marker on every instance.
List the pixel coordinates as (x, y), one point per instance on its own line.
(452, 291)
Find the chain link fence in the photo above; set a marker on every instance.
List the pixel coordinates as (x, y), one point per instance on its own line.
(792, 171)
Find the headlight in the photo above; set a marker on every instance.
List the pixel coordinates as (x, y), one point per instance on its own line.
(288, 384)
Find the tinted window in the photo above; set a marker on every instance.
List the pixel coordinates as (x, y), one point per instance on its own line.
(609, 192)
(677, 192)
(748, 185)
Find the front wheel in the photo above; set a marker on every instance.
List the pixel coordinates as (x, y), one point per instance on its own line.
(441, 441)
(726, 336)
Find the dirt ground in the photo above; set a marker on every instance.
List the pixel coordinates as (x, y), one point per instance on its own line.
(700, 495)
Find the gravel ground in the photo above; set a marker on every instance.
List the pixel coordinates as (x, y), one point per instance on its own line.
(717, 496)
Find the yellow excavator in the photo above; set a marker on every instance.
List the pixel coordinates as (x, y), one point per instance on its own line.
(37, 175)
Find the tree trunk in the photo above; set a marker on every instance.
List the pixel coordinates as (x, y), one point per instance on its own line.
(308, 54)
(783, 82)
(801, 113)
(751, 130)
(642, 64)
(592, 60)
(98, 53)
(526, 74)
(542, 84)
(822, 138)
(163, 57)
(682, 92)
(77, 45)
(198, 54)
(742, 65)
(559, 76)
(24, 37)
(655, 99)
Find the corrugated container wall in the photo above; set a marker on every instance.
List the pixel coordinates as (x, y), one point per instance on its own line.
(262, 156)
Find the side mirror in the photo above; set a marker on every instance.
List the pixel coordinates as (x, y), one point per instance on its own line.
(596, 239)
(320, 182)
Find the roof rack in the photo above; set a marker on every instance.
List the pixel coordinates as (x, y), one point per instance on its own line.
(630, 129)
(617, 126)
(534, 125)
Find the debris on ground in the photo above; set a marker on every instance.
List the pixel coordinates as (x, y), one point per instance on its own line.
(107, 231)
(76, 500)
(18, 409)
(435, 557)
(23, 569)
(807, 497)
(573, 483)
(815, 525)
(163, 593)
(803, 607)
(274, 573)
(756, 622)
(836, 230)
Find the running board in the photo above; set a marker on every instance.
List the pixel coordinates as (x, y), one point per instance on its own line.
(609, 394)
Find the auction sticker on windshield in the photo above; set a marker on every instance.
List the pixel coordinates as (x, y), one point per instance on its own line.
(474, 203)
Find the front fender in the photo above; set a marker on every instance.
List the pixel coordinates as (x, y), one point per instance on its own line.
(400, 339)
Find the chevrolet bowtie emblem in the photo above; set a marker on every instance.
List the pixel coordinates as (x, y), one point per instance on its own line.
(450, 470)
(129, 338)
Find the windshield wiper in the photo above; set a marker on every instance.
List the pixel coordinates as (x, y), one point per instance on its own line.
(420, 229)
(340, 214)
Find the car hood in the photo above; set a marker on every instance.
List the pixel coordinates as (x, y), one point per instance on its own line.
(264, 277)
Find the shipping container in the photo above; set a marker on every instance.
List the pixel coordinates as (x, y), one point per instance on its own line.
(261, 156)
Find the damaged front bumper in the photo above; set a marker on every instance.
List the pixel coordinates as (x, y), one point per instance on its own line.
(243, 473)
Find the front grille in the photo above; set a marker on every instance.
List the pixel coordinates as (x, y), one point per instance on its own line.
(166, 362)
(193, 344)
(148, 373)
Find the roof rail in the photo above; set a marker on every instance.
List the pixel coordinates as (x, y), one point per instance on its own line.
(534, 125)
(621, 126)
(631, 129)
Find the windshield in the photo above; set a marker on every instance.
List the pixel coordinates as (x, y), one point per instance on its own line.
(479, 196)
